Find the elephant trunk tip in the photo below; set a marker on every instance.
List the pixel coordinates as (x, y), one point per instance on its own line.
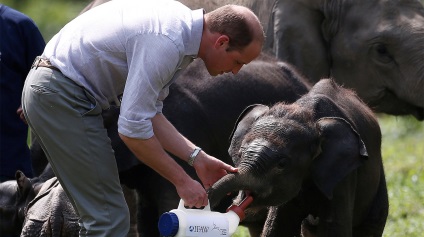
(239, 209)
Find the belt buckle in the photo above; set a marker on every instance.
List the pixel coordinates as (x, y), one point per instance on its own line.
(36, 62)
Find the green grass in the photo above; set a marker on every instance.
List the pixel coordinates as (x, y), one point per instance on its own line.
(403, 155)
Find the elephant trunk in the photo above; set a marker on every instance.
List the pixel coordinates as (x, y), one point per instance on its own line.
(227, 184)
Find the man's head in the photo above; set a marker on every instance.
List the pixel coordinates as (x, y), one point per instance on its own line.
(232, 36)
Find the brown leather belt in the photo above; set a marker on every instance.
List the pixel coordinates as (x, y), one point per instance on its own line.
(43, 62)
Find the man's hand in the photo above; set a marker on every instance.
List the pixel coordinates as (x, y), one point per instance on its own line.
(20, 113)
(192, 193)
(210, 169)
(151, 153)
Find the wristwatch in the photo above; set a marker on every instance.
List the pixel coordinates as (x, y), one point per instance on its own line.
(193, 155)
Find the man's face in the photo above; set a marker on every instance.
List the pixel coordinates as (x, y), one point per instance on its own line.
(220, 60)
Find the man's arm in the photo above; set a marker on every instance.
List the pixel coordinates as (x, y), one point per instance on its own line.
(151, 153)
(208, 168)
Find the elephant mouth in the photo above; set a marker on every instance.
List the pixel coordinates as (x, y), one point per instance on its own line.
(391, 104)
(256, 211)
(244, 194)
(261, 199)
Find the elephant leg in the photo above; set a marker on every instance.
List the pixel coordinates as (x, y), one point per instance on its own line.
(155, 196)
(146, 216)
(38, 157)
(255, 228)
(131, 198)
(141, 207)
(336, 215)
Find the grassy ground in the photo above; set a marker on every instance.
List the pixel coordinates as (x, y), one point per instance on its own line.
(403, 154)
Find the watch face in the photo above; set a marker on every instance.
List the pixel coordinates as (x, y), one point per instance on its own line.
(193, 155)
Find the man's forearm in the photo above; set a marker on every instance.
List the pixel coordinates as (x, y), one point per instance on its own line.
(171, 139)
(151, 153)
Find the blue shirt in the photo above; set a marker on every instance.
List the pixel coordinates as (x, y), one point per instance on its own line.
(132, 48)
(20, 43)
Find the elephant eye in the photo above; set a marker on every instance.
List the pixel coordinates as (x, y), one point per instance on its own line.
(284, 163)
(382, 53)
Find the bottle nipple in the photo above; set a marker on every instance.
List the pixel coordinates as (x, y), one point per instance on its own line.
(239, 209)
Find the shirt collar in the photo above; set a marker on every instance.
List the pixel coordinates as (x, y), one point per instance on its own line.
(196, 33)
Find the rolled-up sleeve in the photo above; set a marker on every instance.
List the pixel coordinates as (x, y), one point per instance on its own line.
(153, 60)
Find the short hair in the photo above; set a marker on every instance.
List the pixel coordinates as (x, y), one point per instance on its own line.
(227, 20)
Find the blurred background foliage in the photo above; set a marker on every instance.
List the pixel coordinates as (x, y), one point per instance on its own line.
(49, 15)
(403, 137)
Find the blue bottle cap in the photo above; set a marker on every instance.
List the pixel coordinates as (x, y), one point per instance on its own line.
(168, 224)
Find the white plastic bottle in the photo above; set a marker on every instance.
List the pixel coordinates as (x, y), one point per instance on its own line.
(183, 222)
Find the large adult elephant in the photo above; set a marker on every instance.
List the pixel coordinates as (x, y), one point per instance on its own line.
(372, 46)
(320, 155)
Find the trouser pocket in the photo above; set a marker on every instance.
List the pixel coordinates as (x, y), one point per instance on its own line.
(85, 103)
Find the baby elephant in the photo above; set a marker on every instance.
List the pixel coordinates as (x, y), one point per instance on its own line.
(15, 195)
(318, 158)
(50, 213)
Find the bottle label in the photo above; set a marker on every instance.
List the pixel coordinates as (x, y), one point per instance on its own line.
(207, 226)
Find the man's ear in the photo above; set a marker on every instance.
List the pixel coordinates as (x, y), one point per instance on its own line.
(222, 41)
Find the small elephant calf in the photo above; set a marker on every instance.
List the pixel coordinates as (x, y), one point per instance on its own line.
(50, 213)
(320, 155)
(14, 198)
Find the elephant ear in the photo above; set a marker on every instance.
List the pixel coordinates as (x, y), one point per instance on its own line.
(24, 184)
(246, 118)
(342, 152)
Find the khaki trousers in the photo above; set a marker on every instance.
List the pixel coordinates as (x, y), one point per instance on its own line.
(67, 122)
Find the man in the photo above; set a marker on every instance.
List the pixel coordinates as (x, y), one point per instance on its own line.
(20, 42)
(134, 50)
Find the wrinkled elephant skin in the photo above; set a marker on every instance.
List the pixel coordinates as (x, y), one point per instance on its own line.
(14, 198)
(50, 213)
(319, 156)
(374, 47)
(361, 44)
